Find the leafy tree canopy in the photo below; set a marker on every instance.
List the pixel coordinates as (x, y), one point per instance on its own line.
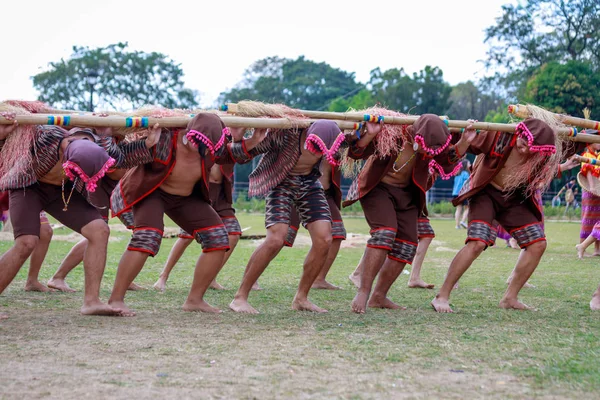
(125, 79)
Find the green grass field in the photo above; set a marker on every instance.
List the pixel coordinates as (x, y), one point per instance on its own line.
(48, 350)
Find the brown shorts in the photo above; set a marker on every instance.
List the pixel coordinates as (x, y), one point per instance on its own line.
(27, 204)
(513, 212)
(424, 228)
(219, 201)
(100, 198)
(392, 214)
(338, 230)
(305, 192)
(192, 214)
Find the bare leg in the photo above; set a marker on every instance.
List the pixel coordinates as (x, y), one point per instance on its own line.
(581, 247)
(526, 264)
(260, 259)
(457, 216)
(129, 267)
(387, 276)
(94, 262)
(176, 252)
(370, 265)
(37, 259)
(459, 265)
(72, 259)
(321, 282)
(595, 303)
(510, 278)
(233, 241)
(415, 280)
(355, 276)
(320, 235)
(465, 215)
(12, 261)
(208, 266)
(596, 248)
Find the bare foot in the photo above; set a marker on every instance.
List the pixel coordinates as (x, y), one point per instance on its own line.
(513, 243)
(355, 279)
(3, 316)
(60, 285)
(324, 285)
(37, 287)
(134, 286)
(595, 254)
(161, 284)
(513, 304)
(359, 304)
(580, 250)
(256, 286)
(441, 305)
(99, 308)
(383, 302)
(306, 305)
(125, 311)
(594, 304)
(216, 286)
(242, 306)
(200, 307)
(455, 286)
(420, 284)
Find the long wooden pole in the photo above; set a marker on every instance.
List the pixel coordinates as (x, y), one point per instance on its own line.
(522, 111)
(273, 123)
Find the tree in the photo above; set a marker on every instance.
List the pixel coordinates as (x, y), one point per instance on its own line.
(297, 83)
(468, 101)
(359, 101)
(565, 88)
(424, 92)
(126, 79)
(541, 31)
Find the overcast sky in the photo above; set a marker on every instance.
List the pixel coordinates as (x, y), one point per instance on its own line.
(216, 41)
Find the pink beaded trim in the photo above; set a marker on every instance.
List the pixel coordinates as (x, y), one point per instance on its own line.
(90, 183)
(435, 167)
(315, 144)
(196, 137)
(432, 152)
(525, 133)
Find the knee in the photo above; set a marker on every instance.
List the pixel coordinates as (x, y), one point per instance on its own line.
(46, 233)
(476, 247)
(537, 248)
(274, 242)
(96, 231)
(26, 244)
(322, 242)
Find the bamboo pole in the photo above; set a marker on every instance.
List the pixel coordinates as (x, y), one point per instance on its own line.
(586, 160)
(246, 122)
(522, 111)
(166, 122)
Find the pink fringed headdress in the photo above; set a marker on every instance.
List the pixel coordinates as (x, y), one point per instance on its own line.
(325, 137)
(208, 130)
(432, 134)
(87, 161)
(543, 141)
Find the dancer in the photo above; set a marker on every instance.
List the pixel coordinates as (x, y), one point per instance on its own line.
(176, 183)
(84, 157)
(391, 191)
(221, 197)
(288, 174)
(504, 186)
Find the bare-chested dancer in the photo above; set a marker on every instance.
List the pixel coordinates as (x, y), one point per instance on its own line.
(221, 190)
(504, 185)
(176, 183)
(391, 191)
(288, 174)
(83, 157)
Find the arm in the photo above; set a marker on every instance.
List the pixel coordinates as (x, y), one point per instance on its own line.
(243, 150)
(364, 147)
(129, 155)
